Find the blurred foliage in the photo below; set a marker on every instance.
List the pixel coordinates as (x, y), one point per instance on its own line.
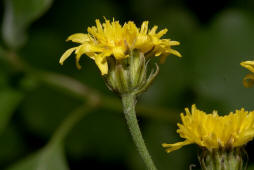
(214, 38)
(49, 158)
(18, 16)
(9, 100)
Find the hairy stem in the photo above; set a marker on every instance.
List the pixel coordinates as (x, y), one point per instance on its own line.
(129, 101)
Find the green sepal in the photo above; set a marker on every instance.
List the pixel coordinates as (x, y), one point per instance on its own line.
(130, 75)
(222, 159)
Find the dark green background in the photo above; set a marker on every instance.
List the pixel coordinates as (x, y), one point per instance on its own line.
(215, 37)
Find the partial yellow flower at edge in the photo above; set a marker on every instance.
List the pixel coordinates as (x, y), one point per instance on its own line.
(212, 131)
(112, 39)
(249, 65)
(248, 80)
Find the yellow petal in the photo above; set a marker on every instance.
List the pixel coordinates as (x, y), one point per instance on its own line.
(77, 61)
(175, 146)
(162, 32)
(78, 38)
(248, 80)
(174, 43)
(158, 53)
(153, 30)
(119, 52)
(144, 27)
(99, 26)
(175, 53)
(249, 65)
(143, 43)
(88, 48)
(66, 54)
(102, 64)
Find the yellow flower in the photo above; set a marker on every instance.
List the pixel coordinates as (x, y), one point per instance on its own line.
(212, 131)
(248, 80)
(112, 39)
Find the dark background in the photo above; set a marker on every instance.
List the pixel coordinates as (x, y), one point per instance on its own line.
(215, 37)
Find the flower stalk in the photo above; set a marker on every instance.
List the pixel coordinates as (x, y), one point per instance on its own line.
(129, 102)
(128, 78)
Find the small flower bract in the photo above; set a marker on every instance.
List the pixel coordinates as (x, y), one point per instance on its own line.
(112, 39)
(248, 80)
(212, 131)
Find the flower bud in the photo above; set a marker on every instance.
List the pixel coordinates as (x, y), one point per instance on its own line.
(222, 159)
(130, 75)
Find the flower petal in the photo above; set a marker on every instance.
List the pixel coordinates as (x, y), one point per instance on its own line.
(99, 26)
(88, 48)
(249, 65)
(175, 53)
(153, 30)
(143, 43)
(119, 52)
(161, 33)
(175, 146)
(102, 64)
(78, 38)
(66, 54)
(248, 80)
(144, 27)
(174, 43)
(77, 61)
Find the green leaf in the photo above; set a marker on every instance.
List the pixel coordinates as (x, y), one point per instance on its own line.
(49, 158)
(9, 99)
(17, 18)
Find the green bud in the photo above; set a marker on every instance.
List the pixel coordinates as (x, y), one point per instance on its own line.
(130, 75)
(222, 159)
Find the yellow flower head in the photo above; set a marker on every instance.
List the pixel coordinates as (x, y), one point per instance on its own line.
(112, 39)
(248, 80)
(212, 131)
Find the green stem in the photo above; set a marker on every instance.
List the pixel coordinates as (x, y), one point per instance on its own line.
(129, 101)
